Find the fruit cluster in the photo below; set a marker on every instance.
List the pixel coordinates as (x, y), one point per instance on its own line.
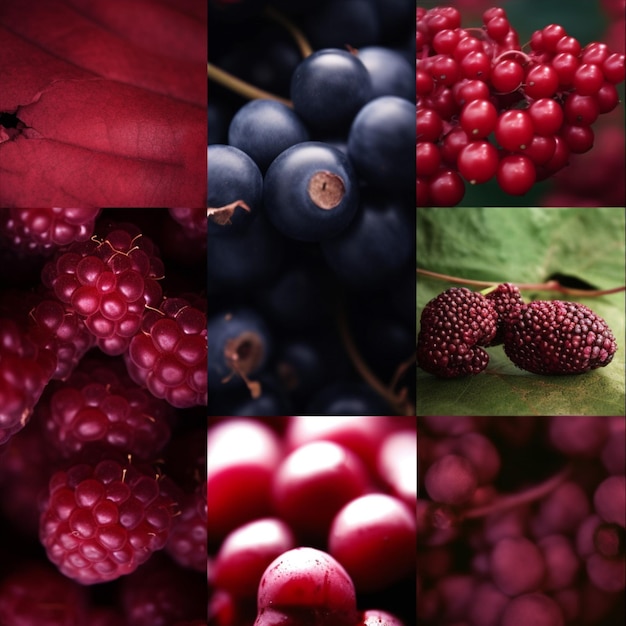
(102, 396)
(310, 205)
(312, 520)
(543, 336)
(487, 109)
(521, 520)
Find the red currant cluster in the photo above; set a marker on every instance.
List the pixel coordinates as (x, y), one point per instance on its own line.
(476, 85)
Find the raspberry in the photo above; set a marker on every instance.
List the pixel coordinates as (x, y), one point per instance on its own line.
(162, 594)
(44, 230)
(108, 283)
(24, 372)
(193, 221)
(187, 543)
(507, 300)
(169, 355)
(101, 407)
(452, 326)
(61, 330)
(37, 594)
(555, 337)
(101, 522)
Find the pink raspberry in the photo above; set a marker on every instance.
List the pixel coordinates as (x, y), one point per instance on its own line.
(109, 283)
(37, 594)
(44, 230)
(101, 407)
(193, 221)
(61, 330)
(24, 372)
(162, 594)
(187, 543)
(169, 355)
(101, 522)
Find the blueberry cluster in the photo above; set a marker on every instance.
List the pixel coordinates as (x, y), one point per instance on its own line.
(310, 207)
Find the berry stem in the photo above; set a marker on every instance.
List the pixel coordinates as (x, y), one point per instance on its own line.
(536, 492)
(550, 285)
(397, 400)
(301, 41)
(241, 87)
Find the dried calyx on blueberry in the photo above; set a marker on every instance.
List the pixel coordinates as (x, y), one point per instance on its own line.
(543, 337)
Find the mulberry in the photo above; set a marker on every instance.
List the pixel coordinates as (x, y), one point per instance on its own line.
(507, 300)
(453, 325)
(555, 337)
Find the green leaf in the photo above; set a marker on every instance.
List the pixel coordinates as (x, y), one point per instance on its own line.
(525, 245)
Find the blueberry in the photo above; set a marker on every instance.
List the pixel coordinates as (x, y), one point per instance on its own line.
(239, 347)
(391, 73)
(349, 22)
(311, 191)
(235, 188)
(381, 144)
(383, 229)
(329, 87)
(247, 258)
(347, 399)
(265, 128)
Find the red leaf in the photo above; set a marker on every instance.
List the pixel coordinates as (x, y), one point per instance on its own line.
(114, 93)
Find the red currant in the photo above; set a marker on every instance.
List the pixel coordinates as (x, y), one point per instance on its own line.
(514, 130)
(516, 174)
(478, 162)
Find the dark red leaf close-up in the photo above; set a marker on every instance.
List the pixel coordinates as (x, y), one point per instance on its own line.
(102, 103)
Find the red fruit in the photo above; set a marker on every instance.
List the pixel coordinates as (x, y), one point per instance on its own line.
(314, 482)
(516, 174)
(36, 594)
(101, 522)
(309, 586)
(187, 543)
(109, 284)
(478, 162)
(515, 130)
(169, 355)
(44, 230)
(24, 372)
(112, 413)
(374, 538)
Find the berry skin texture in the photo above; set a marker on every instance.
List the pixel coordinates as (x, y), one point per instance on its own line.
(453, 325)
(102, 522)
(556, 337)
(507, 300)
(309, 585)
(451, 480)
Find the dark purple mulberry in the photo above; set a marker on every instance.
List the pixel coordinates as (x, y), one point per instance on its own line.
(507, 300)
(555, 337)
(453, 325)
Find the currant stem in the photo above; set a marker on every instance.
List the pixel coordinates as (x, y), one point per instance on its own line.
(398, 401)
(241, 87)
(537, 492)
(301, 41)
